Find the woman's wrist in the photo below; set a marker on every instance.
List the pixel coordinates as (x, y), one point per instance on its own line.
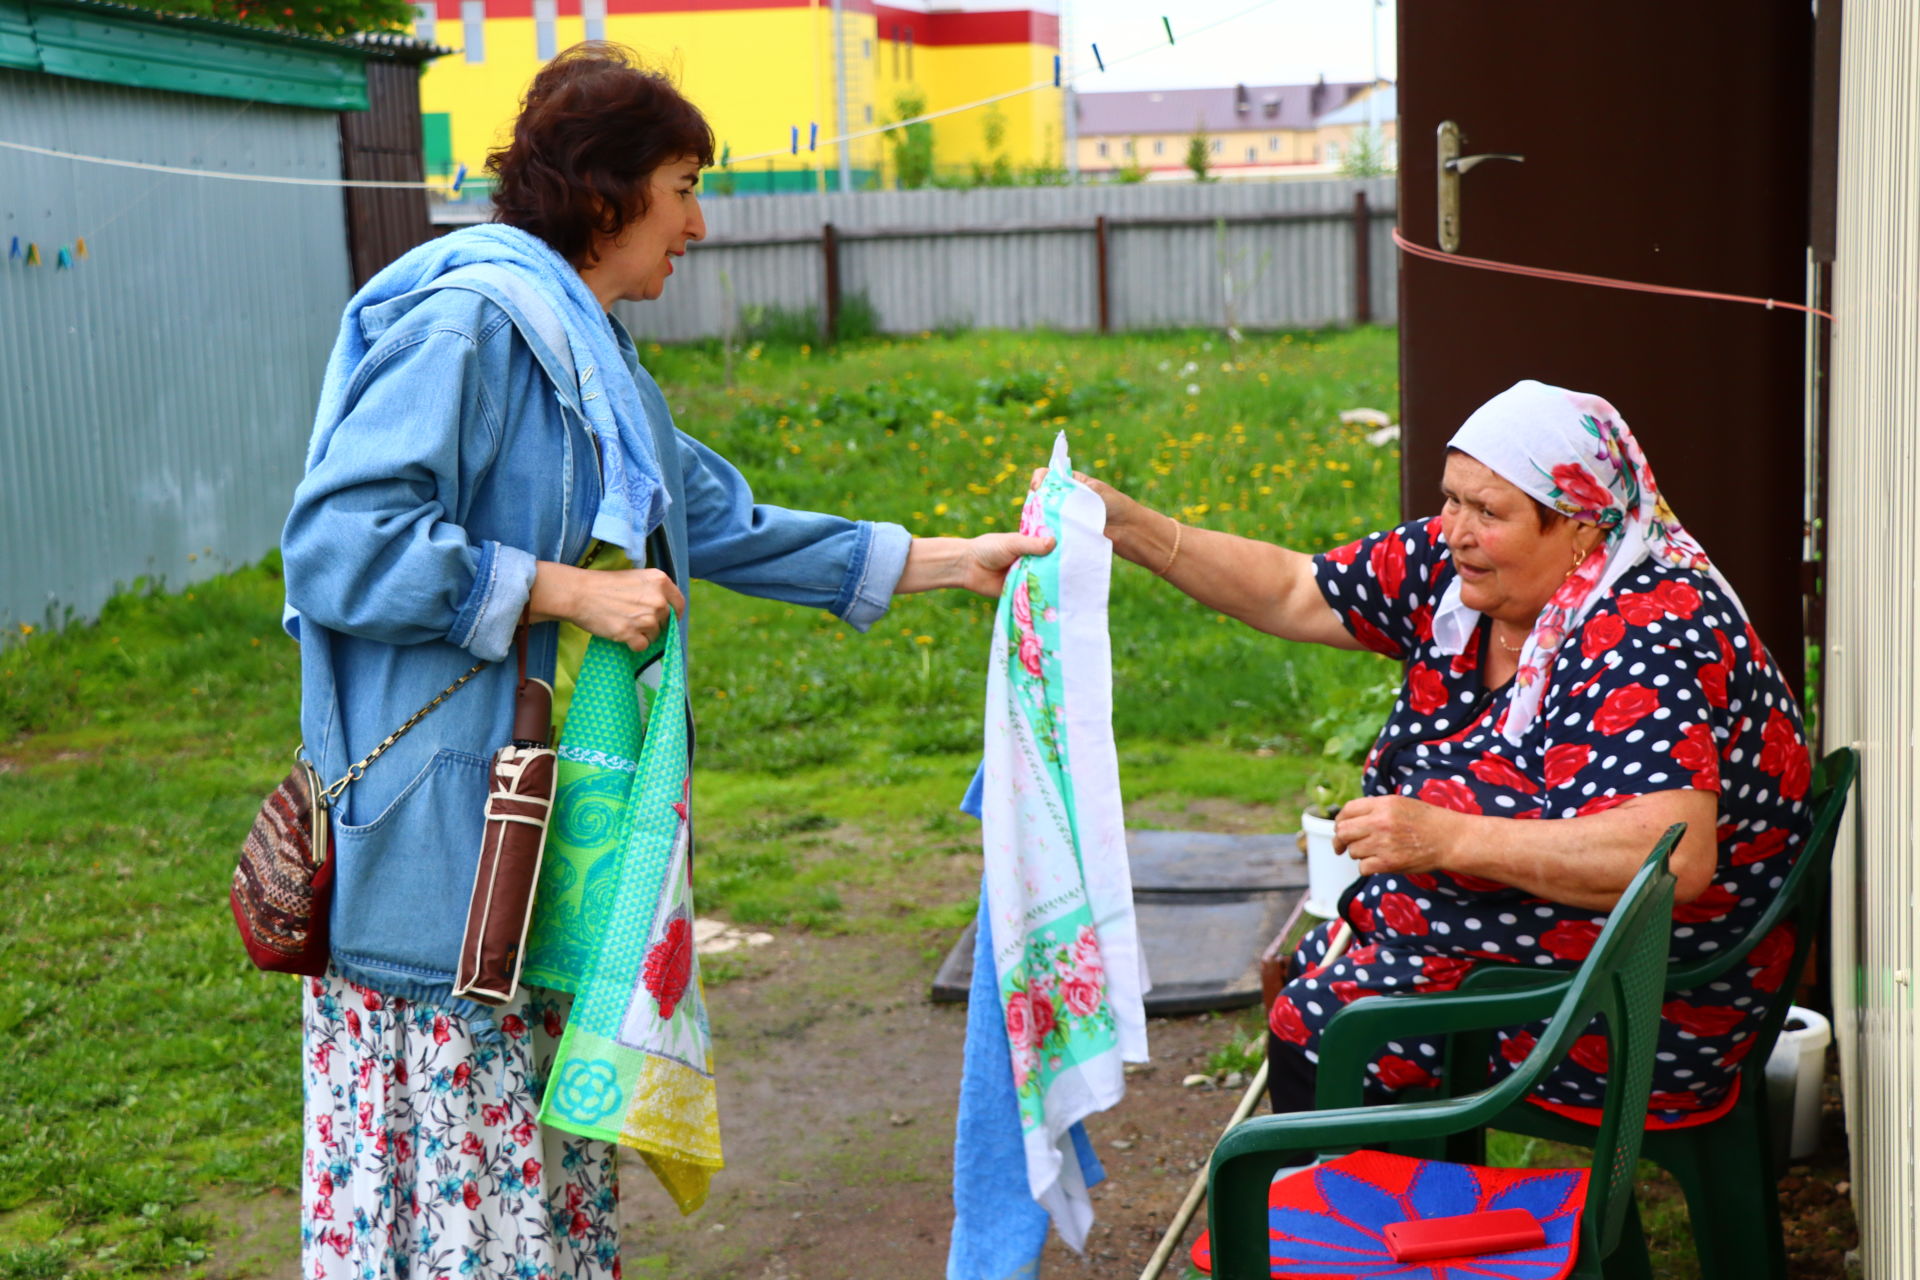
(552, 597)
(1147, 538)
(933, 564)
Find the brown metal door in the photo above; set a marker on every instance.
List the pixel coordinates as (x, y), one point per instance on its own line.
(1663, 142)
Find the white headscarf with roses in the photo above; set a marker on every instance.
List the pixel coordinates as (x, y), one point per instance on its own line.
(1573, 453)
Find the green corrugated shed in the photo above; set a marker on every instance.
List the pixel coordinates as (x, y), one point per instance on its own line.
(144, 49)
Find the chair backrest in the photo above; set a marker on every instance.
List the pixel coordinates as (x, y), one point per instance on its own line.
(1800, 901)
(1622, 981)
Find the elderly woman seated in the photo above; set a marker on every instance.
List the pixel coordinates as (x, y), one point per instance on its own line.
(1578, 677)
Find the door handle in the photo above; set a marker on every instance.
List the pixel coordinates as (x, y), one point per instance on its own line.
(1464, 164)
(1449, 170)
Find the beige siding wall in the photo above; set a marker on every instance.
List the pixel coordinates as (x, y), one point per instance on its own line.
(1872, 690)
(1269, 146)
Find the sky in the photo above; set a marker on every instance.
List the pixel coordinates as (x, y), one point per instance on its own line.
(1277, 42)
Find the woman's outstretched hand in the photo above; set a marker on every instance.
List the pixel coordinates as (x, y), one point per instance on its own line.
(977, 564)
(627, 606)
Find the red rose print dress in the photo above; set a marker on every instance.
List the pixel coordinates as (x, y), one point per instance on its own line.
(422, 1156)
(1664, 687)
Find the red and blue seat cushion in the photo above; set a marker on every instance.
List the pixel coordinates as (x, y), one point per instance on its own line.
(1330, 1221)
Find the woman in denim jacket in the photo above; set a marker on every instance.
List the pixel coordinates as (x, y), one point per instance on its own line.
(483, 424)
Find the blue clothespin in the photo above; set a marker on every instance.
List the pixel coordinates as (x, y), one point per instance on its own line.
(63, 261)
(459, 176)
(1097, 59)
(1056, 71)
(796, 138)
(16, 252)
(813, 136)
(1165, 22)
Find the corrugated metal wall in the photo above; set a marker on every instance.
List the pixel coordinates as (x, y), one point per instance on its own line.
(1285, 274)
(1872, 688)
(155, 400)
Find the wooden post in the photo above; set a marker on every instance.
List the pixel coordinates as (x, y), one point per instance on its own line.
(1362, 260)
(830, 257)
(1100, 272)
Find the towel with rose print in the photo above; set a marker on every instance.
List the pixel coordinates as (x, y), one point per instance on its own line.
(613, 922)
(1059, 898)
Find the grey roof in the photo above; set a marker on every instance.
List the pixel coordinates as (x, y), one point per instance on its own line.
(1383, 103)
(1269, 106)
(398, 45)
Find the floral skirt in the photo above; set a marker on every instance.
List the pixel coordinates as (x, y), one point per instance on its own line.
(422, 1155)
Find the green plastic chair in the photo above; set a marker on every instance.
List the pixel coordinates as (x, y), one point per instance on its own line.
(1726, 1166)
(1621, 980)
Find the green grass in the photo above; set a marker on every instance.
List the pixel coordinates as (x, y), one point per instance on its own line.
(941, 436)
(147, 1068)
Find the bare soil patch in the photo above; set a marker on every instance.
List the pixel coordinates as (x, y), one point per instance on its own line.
(839, 1082)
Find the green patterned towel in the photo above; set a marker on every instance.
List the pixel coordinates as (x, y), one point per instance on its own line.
(613, 921)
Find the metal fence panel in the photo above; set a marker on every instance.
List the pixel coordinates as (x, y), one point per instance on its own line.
(155, 399)
(1870, 693)
(1025, 257)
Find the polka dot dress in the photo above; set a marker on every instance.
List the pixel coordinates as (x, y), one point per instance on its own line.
(1664, 687)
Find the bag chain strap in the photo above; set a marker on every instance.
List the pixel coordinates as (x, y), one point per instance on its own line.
(355, 772)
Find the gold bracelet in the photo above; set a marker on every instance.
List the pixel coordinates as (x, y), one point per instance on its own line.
(1173, 555)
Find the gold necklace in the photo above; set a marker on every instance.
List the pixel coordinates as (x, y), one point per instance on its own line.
(1510, 648)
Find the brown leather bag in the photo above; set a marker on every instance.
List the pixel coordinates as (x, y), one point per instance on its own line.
(283, 885)
(520, 795)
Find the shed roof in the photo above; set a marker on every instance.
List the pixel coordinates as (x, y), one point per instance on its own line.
(128, 44)
(398, 46)
(1219, 110)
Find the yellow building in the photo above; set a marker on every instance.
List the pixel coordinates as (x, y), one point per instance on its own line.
(764, 71)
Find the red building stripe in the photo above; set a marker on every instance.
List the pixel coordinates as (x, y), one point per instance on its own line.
(1005, 26)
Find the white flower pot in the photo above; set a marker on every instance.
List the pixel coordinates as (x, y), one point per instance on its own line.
(1795, 1069)
(1328, 873)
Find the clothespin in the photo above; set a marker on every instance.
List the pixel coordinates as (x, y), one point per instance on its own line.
(459, 176)
(14, 252)
(726, 153)
(63, 261)
(795, 140)
(813, 136)
(1167, 23)
(80, 247)
(1099, 61)
(33, 255)
(1056, 71)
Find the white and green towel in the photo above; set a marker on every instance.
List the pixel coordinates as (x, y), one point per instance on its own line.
(1072, 979)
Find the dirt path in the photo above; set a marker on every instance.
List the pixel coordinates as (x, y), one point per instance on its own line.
(839, 1083)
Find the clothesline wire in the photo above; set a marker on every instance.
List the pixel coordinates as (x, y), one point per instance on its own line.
(446, 185)
(219, 173)
(1602, 282)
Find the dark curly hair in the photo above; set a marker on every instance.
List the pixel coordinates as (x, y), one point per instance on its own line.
(594, 126)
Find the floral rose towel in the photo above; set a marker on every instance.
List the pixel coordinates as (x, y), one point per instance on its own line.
(613, 923)
(1059, 898)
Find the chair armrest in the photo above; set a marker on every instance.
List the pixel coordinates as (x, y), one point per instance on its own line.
(1310, 1132)
(1356, 1031)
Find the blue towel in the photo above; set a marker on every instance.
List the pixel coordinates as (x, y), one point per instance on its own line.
(998, 1229)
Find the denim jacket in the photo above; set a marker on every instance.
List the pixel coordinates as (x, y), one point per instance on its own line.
(459, 459)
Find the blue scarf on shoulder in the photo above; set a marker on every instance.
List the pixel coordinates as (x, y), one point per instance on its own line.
(635, 498)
